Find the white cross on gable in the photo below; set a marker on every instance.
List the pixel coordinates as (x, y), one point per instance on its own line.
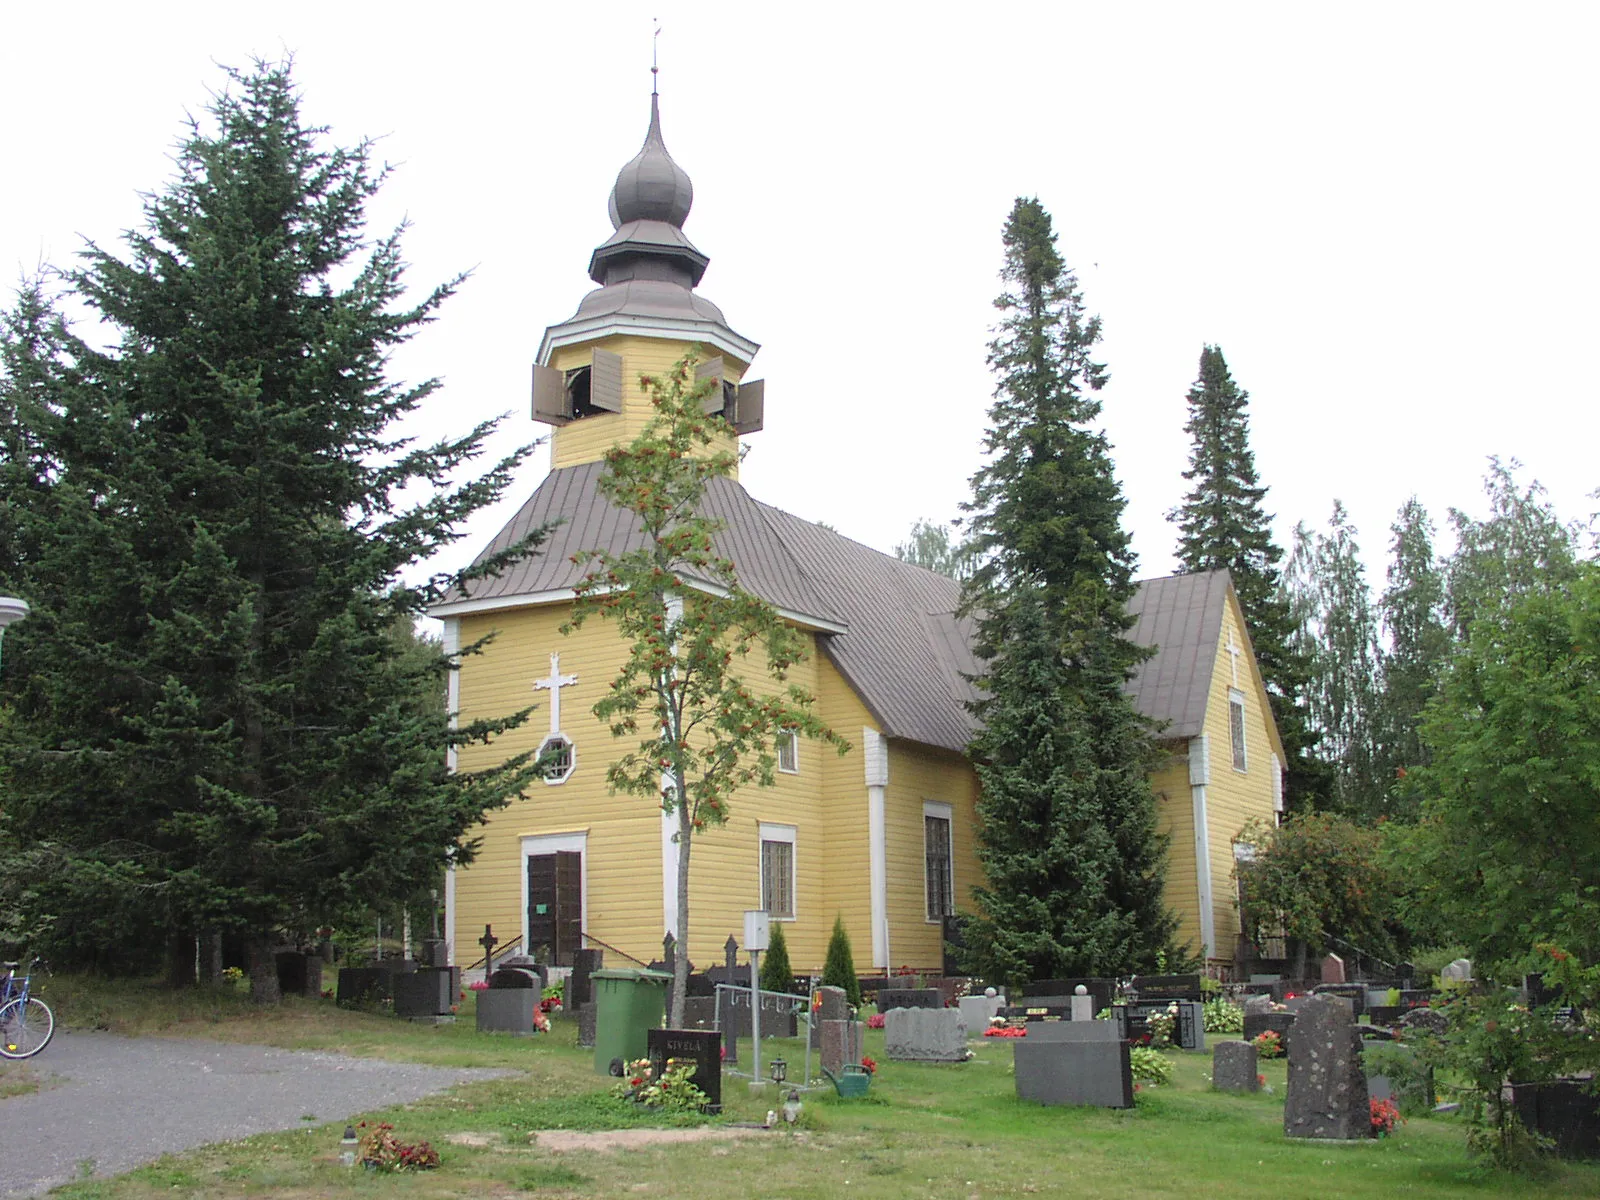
(1234, 650)
(553, 685)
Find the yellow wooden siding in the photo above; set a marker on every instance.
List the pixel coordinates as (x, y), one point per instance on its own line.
(588, 439)
(623, 905)
(848, 889)
(917, 774)
(1234, 797)
(1175, 818)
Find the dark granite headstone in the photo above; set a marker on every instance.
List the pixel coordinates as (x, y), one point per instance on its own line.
(1189, 1032)
(1327, 1093)
(425, 995)
(506, 1010)
(1074, 1062)
(580, 988)
(1563, 1110)
(1103, 991)
(1150, 988)
(889, 998)
(1255, 1024)
(436, 952)
(1356, 993)
(518, 973)
(1234, 1067)
(364, 985)
(699, 1046)
(586, 1019)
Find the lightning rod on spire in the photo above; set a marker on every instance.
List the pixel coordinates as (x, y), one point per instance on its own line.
(655, 68)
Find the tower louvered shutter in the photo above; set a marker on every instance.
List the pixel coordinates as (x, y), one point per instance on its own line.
(605, 382)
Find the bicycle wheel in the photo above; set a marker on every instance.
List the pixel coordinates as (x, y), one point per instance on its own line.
(25, 1027)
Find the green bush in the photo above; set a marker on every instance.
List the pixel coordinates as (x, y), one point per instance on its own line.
(840, 968)
(1222, 1016)
(776, 974)
(1149, 1066)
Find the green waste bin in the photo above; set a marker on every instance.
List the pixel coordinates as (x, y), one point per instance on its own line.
(627, 1005)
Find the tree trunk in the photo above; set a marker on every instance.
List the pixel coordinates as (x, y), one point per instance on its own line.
(264, 970)
(182, 950)
(680, 964)
(211, 950)
(1299, 958)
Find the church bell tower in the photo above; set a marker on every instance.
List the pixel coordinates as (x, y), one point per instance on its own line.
(644, 316)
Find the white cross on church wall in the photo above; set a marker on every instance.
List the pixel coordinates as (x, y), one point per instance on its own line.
(1234, 650)
(553, 685)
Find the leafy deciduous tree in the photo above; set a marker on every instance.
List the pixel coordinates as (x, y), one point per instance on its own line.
(931, 546)
(709, 722)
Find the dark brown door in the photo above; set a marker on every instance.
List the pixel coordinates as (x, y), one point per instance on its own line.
(555, 906)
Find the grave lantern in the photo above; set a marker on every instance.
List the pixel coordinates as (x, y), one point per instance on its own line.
(780, 1070)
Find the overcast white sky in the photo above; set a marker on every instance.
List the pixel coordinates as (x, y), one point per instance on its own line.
(1385, 214)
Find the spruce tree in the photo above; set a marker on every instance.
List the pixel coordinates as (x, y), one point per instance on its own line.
(1223, 526)
(1412, 608)
(1066, 819)
(776, 973)
(839, 968)
(215, 718)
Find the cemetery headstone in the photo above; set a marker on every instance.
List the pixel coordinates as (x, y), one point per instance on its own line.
(925, 1035)
(1234, 1067)
(699, 1046)
(979, 1011)
(1327, 1092)
(1430, 1019)
(828, 1004)
(586, 1022)
(436, 952)
(1101, 991)
(363, 985)
(841, 1043)
(1189, 1032)
(1255, 1005)
(1459, 971)
(1333, 969)
(426, 994)
(1563, 1110)
(1074, 1062)
(580, 988)
(889, 998)
(1151, 988)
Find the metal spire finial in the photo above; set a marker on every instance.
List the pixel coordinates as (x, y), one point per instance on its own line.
(655, 68)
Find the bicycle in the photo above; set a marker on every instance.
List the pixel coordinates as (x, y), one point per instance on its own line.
(26, 1022)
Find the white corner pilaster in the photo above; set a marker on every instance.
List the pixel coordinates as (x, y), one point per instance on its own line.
(1199, 777)
(451, 645)
(875, 752)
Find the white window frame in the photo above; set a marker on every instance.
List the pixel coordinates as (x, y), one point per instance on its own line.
(572, 757)
(789, 741)
(1241, 760)
(770, 832)
(946, 813)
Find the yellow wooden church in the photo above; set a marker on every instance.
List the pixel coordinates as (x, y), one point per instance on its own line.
(882, 836)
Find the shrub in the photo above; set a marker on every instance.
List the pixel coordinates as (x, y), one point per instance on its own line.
(1269, 1044)
(1149, 1066)
(840, 968)
(380, 1147)
(1222, 1016)
(776, 973)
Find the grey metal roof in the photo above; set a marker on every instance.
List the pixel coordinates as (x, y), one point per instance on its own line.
(588, 521)
(903, 649)
(1180, 615)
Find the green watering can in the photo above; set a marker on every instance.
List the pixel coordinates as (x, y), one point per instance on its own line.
(851, 1083)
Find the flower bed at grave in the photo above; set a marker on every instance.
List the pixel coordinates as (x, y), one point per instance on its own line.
(1005, 1031)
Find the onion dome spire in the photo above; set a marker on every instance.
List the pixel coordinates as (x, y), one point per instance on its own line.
(651, 187)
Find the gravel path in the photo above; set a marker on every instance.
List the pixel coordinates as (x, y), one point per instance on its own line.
(122, 1102)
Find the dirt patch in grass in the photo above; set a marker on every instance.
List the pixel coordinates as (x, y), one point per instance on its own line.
(634, 1139)
(17, 1079)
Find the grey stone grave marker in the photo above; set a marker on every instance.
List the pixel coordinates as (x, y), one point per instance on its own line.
(1327, 1093)
(925, 1035)
(841, 1044)
(1234, 1067)
(1074, 1062)
(834, 1006)
(890, 998)
(1333, 969)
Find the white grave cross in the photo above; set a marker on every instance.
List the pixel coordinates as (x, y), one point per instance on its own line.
(1234, 650)
(553, 685)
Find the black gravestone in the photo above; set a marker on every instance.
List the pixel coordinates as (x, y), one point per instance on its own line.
(1101, 991)
(909, 998)
(701, 1047)
(580, 988)
(364, 985)
(1151, 988)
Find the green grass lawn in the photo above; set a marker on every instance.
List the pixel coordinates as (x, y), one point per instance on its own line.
(937, 1131)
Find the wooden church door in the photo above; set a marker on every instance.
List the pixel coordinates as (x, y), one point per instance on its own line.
(555, 905)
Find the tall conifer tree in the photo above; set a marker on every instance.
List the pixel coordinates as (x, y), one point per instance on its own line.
(1222, 526)
(216, 721)
(1067, 828)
